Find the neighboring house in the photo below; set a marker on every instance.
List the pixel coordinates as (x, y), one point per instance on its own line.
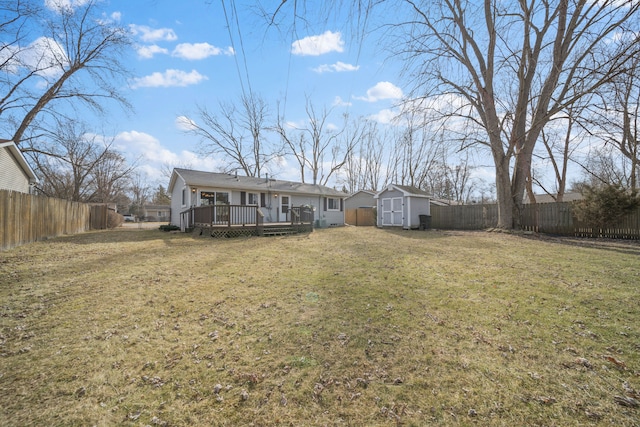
(401, 206)
(275, 198)
(15, 172)
(360, 199)
(547, 198)
(359, 208)
(156, 212)
(444, 202)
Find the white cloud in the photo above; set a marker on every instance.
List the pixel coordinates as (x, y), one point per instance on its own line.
(147, 52)
(337, 68)
(44, 56)
(318, 45)
(339, 102)
(332, 127)
(385, 116)
(154, 157)
(61, 5)
(141, 143)
(170, 78)
(382, 90)
(300, 124)
(184, 123)
(116, 16)
(195, 51)
(149, 35)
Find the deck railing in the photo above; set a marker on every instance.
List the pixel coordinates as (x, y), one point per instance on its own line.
(301, 215)
(221, 215)
(230, 215)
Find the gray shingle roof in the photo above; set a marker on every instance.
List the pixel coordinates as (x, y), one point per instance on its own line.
(247, 183)
(412, 190)
(408, 190)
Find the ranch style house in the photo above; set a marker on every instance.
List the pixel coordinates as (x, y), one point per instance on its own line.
(215, 200)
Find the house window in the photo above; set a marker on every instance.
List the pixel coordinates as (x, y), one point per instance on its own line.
(252, 198)
(184, 197)
(214, 198)
(333, 204)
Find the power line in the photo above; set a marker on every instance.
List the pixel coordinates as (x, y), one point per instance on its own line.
(235, 56)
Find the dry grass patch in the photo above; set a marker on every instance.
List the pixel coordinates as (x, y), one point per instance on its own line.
(353, 326)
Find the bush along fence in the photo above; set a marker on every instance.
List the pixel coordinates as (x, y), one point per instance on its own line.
(25, 218)
(548, 218)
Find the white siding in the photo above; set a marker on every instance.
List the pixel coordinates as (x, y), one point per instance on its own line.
(12, 177)
(176, 201)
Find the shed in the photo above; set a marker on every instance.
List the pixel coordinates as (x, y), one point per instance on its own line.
(15, 172)
(401, 206)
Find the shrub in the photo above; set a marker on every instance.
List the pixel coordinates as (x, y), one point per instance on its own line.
(169, 227)
(114, 219)
(605, 205)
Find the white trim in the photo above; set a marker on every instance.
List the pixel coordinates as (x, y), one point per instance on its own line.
(282, 216)
(22, 161)
(333, 209)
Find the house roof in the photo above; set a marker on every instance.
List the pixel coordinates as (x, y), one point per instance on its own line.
(367, 192)
(195, 178)
(22, 162)
(546, 198)
(445, 202)
(407, 190)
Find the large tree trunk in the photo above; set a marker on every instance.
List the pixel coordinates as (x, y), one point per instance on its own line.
(503, 193)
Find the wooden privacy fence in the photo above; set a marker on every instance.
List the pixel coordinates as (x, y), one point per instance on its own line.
(360, 216)
(25, 218)
(549, 218)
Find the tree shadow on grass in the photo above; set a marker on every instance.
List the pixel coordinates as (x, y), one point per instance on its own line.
(122, 235)
(428, 234)
(629, 247)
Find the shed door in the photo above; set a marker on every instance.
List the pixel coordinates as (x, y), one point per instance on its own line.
(392, 211)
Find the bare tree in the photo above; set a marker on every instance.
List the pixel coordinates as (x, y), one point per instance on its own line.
(111, 176)
(414, 154)
(603, 167)
(73, 61)
(237, 133)
(79, 166)
(363, 166)
(512, 66)
(140, 193)
(617, 121)
(563, 136)
(317, 146)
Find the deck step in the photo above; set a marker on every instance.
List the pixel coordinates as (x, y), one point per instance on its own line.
(279, 231)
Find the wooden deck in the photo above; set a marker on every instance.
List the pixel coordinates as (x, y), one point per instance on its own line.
(239, 220)
(266, 230)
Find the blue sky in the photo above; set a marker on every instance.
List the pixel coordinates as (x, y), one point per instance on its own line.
(185, 55)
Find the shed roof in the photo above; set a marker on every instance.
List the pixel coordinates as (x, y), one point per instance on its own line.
(407, 190)
(196, 178)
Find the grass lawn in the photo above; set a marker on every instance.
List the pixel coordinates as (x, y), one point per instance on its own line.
(348, 326)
